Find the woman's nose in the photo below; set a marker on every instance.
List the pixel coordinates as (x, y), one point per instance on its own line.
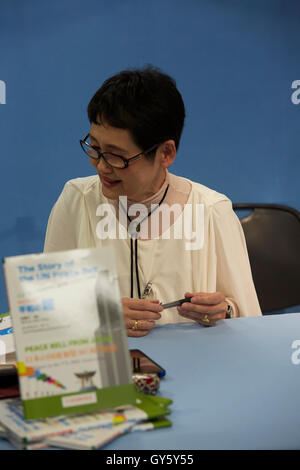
(102, 165)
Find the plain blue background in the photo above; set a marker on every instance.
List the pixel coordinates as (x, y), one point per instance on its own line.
(234, 63)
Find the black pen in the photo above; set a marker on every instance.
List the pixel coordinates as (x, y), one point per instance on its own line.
(176, 303)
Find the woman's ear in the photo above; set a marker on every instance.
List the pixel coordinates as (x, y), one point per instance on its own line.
(167, 153)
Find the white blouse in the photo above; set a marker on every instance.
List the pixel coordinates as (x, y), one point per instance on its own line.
(218, 262)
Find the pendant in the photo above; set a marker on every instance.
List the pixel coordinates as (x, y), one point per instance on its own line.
(147, 290)
(134, 229)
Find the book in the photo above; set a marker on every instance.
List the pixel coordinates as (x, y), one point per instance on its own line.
(85, 440)
(98, 438)
(24, 445)
(7, 344)
(69, 329)
(30, 431)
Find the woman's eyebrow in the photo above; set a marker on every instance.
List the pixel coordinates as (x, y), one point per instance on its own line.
(109, 146)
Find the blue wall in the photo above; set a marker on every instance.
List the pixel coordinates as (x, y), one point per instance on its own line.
(234, 62)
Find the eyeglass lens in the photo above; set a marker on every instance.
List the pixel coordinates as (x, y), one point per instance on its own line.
(111, 159)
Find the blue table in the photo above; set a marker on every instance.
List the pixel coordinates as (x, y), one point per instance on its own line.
(234, 385)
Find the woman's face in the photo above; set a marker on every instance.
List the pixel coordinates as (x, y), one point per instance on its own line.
(142, 178)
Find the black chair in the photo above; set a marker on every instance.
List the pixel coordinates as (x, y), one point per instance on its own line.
(272, 235)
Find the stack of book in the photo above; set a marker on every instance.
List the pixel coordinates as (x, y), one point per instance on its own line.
(86, 431)
(72, 354)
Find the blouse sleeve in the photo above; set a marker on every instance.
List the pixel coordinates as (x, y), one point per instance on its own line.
(234, 277)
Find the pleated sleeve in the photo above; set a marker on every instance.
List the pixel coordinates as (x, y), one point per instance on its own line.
(234, 277)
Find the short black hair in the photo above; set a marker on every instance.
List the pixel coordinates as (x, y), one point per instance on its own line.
(144, 101)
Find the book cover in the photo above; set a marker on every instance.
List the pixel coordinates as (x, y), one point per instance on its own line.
(69, 330)
(85, 440)
(97, 438)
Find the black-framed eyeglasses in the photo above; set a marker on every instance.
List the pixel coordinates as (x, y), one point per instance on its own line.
(112, 159)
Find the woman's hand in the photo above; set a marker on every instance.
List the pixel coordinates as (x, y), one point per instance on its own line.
(204, 308)
(140, 315)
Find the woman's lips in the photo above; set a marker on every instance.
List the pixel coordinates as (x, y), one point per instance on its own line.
(108, 182)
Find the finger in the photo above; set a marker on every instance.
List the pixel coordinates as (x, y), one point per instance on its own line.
(205, 309)
(141, 324)
(136, 333)
(189, 294)
(190, 315)
(204, 319)
(142, 315)
(143, 304)
(206, 298)
(197, 319)
(219, 316)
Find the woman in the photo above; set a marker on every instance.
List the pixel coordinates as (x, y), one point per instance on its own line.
(136, 120)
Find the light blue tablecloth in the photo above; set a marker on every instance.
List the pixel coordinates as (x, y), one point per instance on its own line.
(234, 385)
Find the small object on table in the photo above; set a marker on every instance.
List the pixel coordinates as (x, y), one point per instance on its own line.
(146, 383)
(143, 364)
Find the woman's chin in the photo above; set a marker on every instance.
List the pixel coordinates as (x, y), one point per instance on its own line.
(115, 192)
(110, 193)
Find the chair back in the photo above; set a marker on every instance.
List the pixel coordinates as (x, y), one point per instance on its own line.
(272, 235)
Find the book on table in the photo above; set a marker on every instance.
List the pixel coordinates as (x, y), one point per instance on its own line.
(69, 330)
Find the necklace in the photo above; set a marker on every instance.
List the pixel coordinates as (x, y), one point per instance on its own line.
(136, 229)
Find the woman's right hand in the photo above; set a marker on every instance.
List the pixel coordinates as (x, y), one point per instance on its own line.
(140, 315)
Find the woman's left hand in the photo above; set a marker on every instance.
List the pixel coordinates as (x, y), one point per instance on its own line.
(204, 308)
